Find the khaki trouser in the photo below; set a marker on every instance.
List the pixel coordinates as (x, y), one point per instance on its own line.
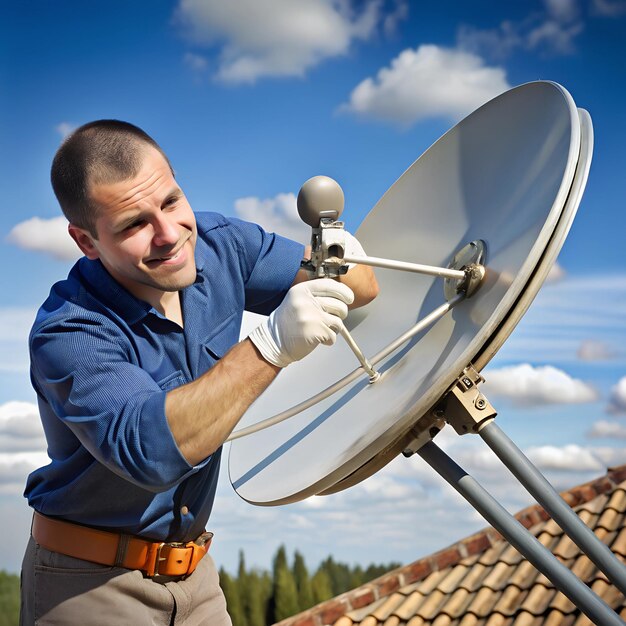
(64, 591)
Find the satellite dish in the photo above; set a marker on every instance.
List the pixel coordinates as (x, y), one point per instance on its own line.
(511, 176)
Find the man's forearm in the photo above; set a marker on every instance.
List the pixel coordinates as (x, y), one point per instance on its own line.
(202, 414)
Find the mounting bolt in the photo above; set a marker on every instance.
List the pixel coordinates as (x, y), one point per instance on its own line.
(480, 403)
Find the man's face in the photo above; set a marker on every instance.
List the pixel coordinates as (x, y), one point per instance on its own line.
(146, 231)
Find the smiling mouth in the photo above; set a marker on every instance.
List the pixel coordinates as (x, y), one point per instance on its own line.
(168, 258)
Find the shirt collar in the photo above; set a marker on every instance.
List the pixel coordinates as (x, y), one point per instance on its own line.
(116, 297)
(112, 294)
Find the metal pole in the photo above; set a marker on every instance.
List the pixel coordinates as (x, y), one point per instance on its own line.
(358, 353)
(551, 501)
(586, 600)
(429, 270)
(424, 323)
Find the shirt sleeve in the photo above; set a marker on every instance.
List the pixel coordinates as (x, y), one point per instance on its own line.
(83, 369)
(271, 263)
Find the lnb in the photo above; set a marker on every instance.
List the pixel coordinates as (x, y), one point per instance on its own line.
(320, 198)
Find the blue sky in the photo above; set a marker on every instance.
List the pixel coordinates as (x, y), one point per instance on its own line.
(249, 99)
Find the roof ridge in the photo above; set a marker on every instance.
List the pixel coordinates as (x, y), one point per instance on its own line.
(331, 610)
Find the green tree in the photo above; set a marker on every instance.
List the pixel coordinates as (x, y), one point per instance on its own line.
(339, 575)
(259, 589)
(303, 582)
(242, 585)
(233, 600)
(284, 602)
(285, 595)
(9, 599)
(320, 586)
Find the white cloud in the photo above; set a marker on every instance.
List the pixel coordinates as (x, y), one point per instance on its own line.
(608, 8)
(592, 350)
(65, 128)
(427, 82)
(569, 457)
(617, 401)
(275, 37)
(20, 428)
(277, 215)
(396, 15)
(15, 323)
(22, 445)
(555, 274)
(553, 30)
(555, 36)
(45, 235)
(559, 319)
(563, 10)
(196, 62)
(607, 430)
(527, 385)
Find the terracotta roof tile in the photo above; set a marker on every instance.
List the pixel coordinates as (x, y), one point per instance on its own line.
(432, 582)
(410, 606)
(524, 576)
(588, 517)
(619, 544)
(492, 556)
(597, 505)
(566, 549)
(562, 604)
(584, 568)
(617, 500)
(510, 599)
(483, 602)
(497, 620)
(457, 603)
(554, 618)
(538, 599)
(483, 581)
(454, 577)
(384, 610)
(511, 556)
(474, 577)
(609, 519)
(429, 608)
(526, 619)
(498, 578)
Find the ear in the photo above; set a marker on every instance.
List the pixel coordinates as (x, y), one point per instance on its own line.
(84, 240)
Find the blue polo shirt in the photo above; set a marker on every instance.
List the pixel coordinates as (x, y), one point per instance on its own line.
(102, 362)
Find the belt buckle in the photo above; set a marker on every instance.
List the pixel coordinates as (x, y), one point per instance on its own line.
(204, 540)
(199, 547)
(159, 558)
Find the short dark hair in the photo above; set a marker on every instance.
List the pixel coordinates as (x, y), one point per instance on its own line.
(100, 152)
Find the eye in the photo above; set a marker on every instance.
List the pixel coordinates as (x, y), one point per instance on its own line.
(133, 225)
(171, 201)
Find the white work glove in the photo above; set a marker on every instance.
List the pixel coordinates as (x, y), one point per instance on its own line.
(311, 313)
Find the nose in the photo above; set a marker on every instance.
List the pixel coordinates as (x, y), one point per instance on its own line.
(165, 231)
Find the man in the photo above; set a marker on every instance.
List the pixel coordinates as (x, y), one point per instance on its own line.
(140, 378)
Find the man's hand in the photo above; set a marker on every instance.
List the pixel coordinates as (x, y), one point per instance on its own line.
(311, 313)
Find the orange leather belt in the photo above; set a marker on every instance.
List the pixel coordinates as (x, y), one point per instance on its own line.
(109, 548)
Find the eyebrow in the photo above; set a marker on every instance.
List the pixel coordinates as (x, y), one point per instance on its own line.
(174, 194)
(127, 221)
